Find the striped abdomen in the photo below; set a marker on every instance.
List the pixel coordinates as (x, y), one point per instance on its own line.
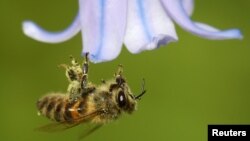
(57, 107)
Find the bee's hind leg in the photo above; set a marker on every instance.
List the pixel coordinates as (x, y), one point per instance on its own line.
(74, 90)
(73, 61)
(73, 73)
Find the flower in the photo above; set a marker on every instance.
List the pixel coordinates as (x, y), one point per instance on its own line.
(140, 24)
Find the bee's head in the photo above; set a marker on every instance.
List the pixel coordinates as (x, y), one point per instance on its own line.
(125, 100)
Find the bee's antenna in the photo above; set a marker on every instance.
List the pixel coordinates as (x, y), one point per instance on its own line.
(138, 97)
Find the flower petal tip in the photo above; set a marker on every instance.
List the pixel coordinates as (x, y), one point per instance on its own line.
(231, 34)
(237, 34)
(35, 32)
(29, 29)
(159, 40)
(99, 58)
(155, 43)
(95, 59)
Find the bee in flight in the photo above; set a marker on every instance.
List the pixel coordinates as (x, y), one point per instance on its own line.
(85, 102)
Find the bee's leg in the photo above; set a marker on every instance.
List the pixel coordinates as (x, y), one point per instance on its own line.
(75, 87)
(118, 75)
(73, 61)
(103, 81)
(74, 90)
(86, 64)
(119, 70)
(70, 74)
(73, 73)
(90, 89)
(85, 68)
(75, 69)
(87, 88)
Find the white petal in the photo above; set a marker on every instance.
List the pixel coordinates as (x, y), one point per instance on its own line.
(178, 14)
(35, 32)
(103, 24)
(148, 26)
(188, 6)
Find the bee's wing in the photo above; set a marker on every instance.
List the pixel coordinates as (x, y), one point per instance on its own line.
(89, 130)
(61, 126)
(56, 127)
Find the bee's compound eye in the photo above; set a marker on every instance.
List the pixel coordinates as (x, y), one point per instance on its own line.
(121, 99)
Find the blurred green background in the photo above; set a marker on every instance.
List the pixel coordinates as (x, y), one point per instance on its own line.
(190, 83)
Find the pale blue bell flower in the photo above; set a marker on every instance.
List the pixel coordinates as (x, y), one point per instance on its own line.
(139, 24)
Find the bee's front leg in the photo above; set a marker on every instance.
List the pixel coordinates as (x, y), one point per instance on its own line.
(85, 68)
(118, 75)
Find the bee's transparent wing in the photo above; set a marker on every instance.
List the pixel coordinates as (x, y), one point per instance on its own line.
(89, 130)
(61, 126)
(56, 127)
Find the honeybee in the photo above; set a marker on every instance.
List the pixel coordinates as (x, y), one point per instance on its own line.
(85, 102)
